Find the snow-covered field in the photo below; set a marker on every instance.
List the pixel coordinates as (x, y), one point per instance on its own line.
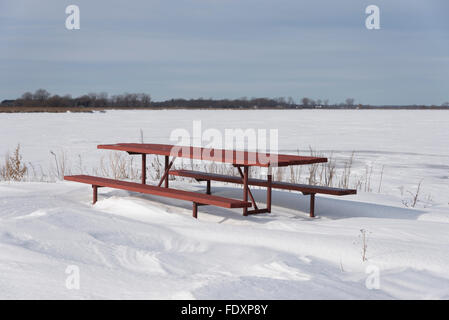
(137, 246)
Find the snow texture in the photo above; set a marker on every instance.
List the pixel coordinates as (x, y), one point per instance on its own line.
(133, 246)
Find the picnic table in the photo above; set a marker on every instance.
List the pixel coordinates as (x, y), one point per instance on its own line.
(243, 161)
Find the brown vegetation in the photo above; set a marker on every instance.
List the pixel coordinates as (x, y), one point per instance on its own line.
(13, 169)
(42, 101)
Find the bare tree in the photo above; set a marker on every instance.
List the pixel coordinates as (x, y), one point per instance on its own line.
(306, 102)
(41, 95)
(55, 101)
(145, 100)
(27, 96)
(349, 102)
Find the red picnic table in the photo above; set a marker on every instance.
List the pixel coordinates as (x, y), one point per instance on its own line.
(237, 158)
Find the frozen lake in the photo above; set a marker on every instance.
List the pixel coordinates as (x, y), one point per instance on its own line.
(137, 246)
(410, 145)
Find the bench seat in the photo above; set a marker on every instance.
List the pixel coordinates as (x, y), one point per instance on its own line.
(303, 188)
(195, 197)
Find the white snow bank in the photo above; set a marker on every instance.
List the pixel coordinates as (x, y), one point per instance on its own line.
(137, 246)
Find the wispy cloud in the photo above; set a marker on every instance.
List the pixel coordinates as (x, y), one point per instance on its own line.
(229, 48)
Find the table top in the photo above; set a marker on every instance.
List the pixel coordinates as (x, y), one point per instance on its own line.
(235, 157)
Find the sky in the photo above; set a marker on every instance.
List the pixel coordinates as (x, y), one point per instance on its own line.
(229, 49)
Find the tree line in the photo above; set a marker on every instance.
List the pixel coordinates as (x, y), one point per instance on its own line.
(42, 98)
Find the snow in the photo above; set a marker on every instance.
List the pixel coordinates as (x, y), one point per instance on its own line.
(146, 247)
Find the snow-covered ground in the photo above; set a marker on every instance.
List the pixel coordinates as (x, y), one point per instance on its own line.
(137, 246)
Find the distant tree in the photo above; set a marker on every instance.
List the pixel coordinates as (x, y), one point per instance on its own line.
(92, 100)
(25, 100)
(41, 95)
(280, 102)
(306, 102)
(67, 100)
(55, 101)
(27, 96)
(446, 104)
(101, 100)
(349, 102)
(83, 101)
(145, 100)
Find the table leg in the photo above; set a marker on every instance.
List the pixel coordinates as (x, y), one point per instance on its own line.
(166, 167)
(208, 187)
(269, 179)
(95, 194)
(249, 191)
(245, 188)
(164, 177)
(144, 168)
(195, 210)
(312, 205)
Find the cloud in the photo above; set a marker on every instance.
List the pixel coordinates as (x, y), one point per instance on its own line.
(228, 48)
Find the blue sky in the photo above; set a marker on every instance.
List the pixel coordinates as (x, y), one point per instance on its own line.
(229, 49)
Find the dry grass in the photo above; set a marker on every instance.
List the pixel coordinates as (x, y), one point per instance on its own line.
(13, 169)
(60, 166)
(120, 166)
(415, 197)
(364, 242)
(325, 174)
(337, 172)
